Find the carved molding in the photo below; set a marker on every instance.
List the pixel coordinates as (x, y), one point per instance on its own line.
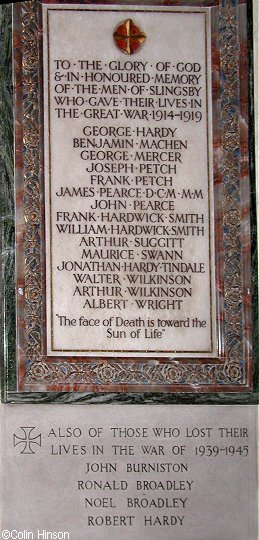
(229, 369)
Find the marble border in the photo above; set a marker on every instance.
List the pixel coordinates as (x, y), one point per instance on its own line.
(232, 371)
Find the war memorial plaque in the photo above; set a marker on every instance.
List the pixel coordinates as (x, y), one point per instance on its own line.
(129, 277)
(129, 223)
(132, 197)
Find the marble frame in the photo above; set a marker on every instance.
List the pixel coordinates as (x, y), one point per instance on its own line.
(232, 370)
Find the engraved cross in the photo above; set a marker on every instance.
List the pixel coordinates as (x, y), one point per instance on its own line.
(27, 440)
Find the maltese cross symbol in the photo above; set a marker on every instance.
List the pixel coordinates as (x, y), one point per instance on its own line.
(27, 440)
(128, 37)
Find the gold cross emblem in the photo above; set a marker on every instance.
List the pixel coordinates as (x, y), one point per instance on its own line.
(128, 37)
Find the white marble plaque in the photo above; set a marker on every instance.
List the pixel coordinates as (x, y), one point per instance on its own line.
(142, 473)
(128, 183)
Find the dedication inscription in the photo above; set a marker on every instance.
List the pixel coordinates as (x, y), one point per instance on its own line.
(128, 181)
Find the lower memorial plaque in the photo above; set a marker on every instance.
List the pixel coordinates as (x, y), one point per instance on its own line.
(133, 197)
(141, 473)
